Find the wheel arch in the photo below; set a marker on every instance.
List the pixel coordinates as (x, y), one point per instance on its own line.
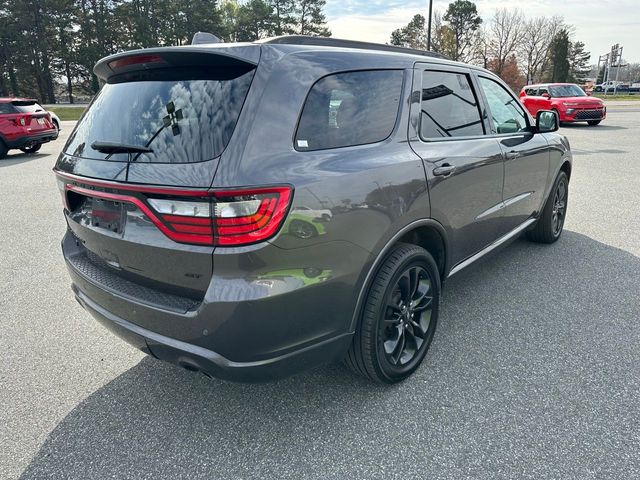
(566, 168)
(426, 233)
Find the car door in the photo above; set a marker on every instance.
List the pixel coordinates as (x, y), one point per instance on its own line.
(464, 166)
(543, 102)
(531, 101)
(526, 153)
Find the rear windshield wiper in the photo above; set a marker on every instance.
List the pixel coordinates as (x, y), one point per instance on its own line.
(111, 148)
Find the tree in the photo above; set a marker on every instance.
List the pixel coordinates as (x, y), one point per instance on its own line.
(534, 45)
(559, 65)
(509, 71)
(255, 20)
(505, 35)
(413, 35)
(579, 63)
(310, 19)
(283, 14)
(464, 21)
(51, 46)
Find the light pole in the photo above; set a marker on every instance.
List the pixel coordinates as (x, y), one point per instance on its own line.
(429, 25)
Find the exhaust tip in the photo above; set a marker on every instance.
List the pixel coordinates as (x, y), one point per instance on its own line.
(189, 366)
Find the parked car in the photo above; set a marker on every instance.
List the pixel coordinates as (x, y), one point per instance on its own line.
(176, 212)
(55, 120)
(24, 125)
(608, 86)
(568, 100)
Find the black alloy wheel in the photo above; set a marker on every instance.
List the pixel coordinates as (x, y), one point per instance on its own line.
(407, 316)
(559, 208)
(549, 225)
(399, 316)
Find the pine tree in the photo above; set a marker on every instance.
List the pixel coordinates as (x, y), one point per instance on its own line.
(413, 35)
(310, 19)
(464, 21)
(579, 63)
(283, 14)
(560, 67)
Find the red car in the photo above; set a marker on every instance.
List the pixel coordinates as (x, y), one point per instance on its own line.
(567, 99)
(24, 125)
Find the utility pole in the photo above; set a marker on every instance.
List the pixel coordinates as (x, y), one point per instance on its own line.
(615, 85)
(429, 25)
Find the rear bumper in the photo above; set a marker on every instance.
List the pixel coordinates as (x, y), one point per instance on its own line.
(29, 140)
(195, 358)
(233, 332)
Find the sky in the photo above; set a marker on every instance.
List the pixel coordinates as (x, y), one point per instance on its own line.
(598, 23)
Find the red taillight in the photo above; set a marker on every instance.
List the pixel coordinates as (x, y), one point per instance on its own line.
(254, 226)
(135, 60)
(202, 217)
(231, 218)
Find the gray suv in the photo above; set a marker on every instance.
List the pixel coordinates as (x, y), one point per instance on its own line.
(252, 210)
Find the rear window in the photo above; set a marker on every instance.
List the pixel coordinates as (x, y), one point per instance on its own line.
(352, 108)
(27, 107)
(182, 121)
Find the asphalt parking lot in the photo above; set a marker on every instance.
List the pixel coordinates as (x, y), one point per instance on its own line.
(534, 371)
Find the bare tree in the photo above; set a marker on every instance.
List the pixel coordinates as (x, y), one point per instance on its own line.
(505, 34)
(535, 43)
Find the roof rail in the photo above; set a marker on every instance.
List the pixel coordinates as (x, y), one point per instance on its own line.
(337, 42)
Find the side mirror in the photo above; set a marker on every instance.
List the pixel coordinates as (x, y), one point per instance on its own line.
(547, 121)
(545, 95)
(588, 94)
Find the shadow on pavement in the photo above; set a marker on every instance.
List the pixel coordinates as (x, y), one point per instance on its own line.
(18, 158)
(595, 128)
(534, 369)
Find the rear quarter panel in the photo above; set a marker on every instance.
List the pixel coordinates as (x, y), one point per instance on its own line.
(365, 193)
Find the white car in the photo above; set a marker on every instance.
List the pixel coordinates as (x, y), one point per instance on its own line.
(55, 120)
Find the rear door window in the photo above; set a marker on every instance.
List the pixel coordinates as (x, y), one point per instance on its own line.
(449, 106)
(6, 108)
(353, 108)
(183, 118)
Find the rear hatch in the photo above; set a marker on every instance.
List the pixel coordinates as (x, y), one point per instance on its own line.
(32, 116)
(136, 171)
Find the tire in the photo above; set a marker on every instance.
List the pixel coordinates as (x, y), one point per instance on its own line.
(3, 149)
(547, 229)
(55, 124)
(593, 123)
(32, 149)
(389, 343)
(302, 229)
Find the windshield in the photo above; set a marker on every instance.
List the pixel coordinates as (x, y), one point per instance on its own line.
(180, 121)
(567, 91)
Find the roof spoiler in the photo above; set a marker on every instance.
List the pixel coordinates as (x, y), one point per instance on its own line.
(201, 38)
(112, 68)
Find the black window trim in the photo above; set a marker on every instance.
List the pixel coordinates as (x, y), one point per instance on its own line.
(339, 72)
(420, 68)
(493, 131)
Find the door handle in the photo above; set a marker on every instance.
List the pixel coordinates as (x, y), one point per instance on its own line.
(444, 170)
(512, 155)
